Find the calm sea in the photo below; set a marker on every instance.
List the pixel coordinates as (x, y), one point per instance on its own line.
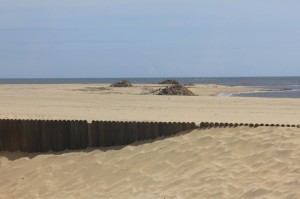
(280, 87)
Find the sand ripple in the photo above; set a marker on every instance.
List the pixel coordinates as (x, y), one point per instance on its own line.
(216, 163)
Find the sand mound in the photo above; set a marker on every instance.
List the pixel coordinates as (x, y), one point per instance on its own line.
(175, 89)
(215, 163)
(169, 81)
(123, 83)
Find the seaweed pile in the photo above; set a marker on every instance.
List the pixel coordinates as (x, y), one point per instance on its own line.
(175, 89)
(169, 81)
(122, 83)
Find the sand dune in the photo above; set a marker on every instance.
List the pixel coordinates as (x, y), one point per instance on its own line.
(216, 163)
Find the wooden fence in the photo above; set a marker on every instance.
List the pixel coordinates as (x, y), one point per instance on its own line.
(45, 135)
(205, 125)
(121, 133)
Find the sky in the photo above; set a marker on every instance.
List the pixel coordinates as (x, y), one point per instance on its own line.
(157, 38)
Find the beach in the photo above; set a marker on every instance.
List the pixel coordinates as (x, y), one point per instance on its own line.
(101, 102)
(239, 162)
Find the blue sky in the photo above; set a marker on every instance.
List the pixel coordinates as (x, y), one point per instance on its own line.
(158, 38)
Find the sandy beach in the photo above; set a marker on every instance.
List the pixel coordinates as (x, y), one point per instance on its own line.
(237, 162)
(149, 99)
(216, 163)
(101, 102)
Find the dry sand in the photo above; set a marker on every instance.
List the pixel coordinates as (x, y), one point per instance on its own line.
(130, 104)
(241, 162)
(216, 163)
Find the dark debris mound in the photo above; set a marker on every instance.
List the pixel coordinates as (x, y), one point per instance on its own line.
(169, 81)
(122, 83)
(175, 89)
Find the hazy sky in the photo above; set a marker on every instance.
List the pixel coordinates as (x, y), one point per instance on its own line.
(157, 38)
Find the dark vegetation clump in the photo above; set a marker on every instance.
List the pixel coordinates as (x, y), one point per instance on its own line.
(175, 89)
(123, 83)
(169, 81)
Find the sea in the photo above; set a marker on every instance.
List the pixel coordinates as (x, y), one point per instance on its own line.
(277, 87)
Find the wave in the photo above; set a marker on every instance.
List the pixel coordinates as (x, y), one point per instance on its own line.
(225, 94)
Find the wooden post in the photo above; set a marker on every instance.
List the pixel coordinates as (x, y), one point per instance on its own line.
(67, 134)
(89, 135)
(84, 134)
(108, 134)
(60, 136)
(101, 134)
(141, 131)
(132, 132)
(155, 129)
(15, 134)
(127, 133)
(94, 134)
(117, 132)
(37, 133)
(1, 135)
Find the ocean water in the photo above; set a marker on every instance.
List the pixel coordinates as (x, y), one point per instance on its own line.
(278, 87)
